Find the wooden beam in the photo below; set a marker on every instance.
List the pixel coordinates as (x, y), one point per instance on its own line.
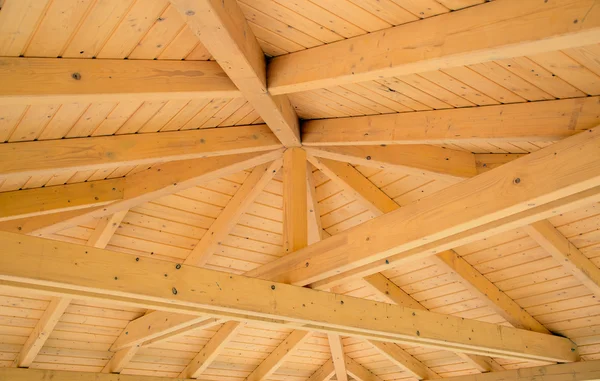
(419, 160)
(50, 80)
(439, 42)
(53, 156)
(578, 371)
(563, 205)
(355, 184)
(481, 287)
(223, 30)
(568, 167)
(315, 228)
(395, 295)
(41, 332)
(106, 228)
(338, 356)
(569, 256)
(278, 356)
(152, 325)
(119, 360)
(295, 225)
(211, 350)
(158, 181)
(59, 198)
(535, 121)
(230, 215)
(82, 272)
(324, 373)
(359, 372)
(404, 360)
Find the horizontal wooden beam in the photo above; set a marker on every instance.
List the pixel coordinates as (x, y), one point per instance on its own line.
(160, 180)
(59, 198)
(529, 122)
(555, 172)
(53, 156)
(448, 40)
(51, 80)
(82, 272)
(579, 371)
(418, 160)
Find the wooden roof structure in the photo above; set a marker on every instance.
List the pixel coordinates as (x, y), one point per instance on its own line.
(292, 190)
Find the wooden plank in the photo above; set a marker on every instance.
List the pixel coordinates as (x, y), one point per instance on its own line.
(223, 30)
(211, 350)
(55, 81)
(359, 372)
(41, 332)
(418, 160)
(50, 157)
(565, 253)
(324, 373)
(295, 218)
(337, 356)
(59, 198)
(527, 122)
(84, 272)
(355, 184)
(485, 290)
(420, 46)
(160, 180)
(269, 365)
(229, 217)
(106, 228)
(404, 360)
(568, 167)
(315, 228)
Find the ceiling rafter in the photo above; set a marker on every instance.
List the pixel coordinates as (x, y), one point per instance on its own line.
(439, 43)
(279, 355)
(544, 121)
(222, 28)
(336, 346)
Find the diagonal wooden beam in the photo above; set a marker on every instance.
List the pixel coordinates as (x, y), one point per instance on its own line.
(404, 360)
(563, 205)
(39, 201)
(355, 184)
(211, 350)
(338, 356)
(223, 30)
(556, 172)
(439, 42)
(158, 181)
(229, 217)
(49, 157)
(395, 295)
(578, 371)
(569, 256)
(324, 373)
(486, 291)
(535, 121)
(359, 372)
(41, 332)
(295, 225)
(278, 356)
(443, 164)
(55, 81)
(106, 228)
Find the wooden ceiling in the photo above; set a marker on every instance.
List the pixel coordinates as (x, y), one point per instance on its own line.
(166, 166)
